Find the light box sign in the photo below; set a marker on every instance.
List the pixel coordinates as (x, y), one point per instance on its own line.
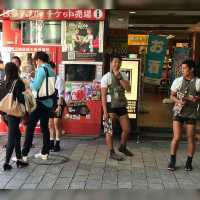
(135, 39)
(131, 68)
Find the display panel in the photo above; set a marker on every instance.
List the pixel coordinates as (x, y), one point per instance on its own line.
(80, 72)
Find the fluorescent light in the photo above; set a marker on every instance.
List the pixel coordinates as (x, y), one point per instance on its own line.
(132, 12)
(170, 37)
(120, 19)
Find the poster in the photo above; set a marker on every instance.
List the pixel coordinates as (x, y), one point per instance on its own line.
(82, 40)
(76, 96)
(179, 55)
(157, 47)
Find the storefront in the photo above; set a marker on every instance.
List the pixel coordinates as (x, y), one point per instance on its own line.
(74, 40)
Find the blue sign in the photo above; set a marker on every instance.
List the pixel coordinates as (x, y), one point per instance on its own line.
(157, 46)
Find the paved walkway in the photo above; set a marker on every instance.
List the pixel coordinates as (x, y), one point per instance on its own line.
(89, 167)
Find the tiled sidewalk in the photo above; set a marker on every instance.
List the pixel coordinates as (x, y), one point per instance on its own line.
(90, 168)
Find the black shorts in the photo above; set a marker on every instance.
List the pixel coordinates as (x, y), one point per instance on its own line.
(185, 120)
(118, 111)
(54, 114)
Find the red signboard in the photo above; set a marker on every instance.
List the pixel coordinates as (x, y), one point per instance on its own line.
(54, 14)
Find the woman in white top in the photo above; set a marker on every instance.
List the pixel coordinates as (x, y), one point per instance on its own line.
(185, 95)
(55, 121)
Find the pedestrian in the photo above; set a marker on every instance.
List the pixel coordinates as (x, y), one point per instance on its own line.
(2, 71)
(113, 87)
(55, 122)
(14, 135)
(43, 108)
(185, 95)
(17, 61)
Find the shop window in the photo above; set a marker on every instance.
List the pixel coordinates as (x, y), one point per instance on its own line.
(50, 32)
(29, 32)
(41, 32)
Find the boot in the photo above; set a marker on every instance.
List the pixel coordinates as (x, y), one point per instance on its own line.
(57, 146)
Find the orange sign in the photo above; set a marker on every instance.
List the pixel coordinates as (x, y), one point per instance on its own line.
(134, 39)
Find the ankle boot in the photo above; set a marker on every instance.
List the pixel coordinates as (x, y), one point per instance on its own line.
(51, 145)
(57, 146)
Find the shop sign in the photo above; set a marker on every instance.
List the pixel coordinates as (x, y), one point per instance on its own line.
(54, 14)
(134, 39)
(26, 49)
(157, 47)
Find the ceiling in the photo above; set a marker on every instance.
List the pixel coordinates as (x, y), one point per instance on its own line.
(157, 4)
(156, 21)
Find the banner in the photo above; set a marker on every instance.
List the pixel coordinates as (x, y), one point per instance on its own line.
(156, 52)
(179, 55)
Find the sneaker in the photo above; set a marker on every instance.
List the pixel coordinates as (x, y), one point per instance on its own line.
(125, 151)
(57, 146)
(171, 166)
(115, 156)
(24, 158)
(42, 156)
(188, 167)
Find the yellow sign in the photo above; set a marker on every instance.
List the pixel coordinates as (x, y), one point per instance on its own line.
(131, 68)
(134, 39)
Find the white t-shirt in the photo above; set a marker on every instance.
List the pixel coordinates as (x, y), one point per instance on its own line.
(177, 83)
(107, 80)
(60, 86)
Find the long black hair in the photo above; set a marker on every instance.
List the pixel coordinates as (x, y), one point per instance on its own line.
(11, 71)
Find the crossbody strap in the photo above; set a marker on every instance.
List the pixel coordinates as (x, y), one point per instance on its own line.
(13, 86)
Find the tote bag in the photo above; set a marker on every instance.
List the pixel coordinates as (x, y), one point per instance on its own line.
(48, 87)
(10, 106)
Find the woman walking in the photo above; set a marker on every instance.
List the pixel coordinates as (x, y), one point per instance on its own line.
(14, 135)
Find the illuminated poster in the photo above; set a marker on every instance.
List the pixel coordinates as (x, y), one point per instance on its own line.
(82, 40)
(131, 68)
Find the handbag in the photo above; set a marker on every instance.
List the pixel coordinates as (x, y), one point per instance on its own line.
(10, 106)
(30, 102)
